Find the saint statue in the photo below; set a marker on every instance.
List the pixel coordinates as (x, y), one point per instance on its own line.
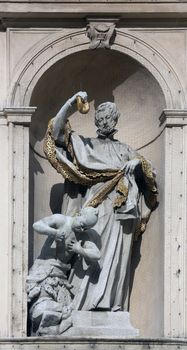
(105, 173)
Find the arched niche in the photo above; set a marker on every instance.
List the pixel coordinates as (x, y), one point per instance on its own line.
(114, 76)
(63, 43)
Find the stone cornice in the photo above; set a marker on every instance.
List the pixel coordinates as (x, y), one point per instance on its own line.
(155, 343)
(82, 9)
(60, 21)
(19, 115)
(173, 117)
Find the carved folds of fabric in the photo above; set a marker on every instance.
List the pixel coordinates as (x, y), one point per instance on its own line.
(77, 173)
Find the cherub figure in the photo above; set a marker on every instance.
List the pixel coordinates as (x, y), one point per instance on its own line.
(48, 289)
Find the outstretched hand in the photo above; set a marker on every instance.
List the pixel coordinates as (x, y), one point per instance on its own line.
(82, 94)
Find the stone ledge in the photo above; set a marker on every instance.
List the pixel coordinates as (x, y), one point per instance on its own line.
(173, 117)
(149, 9)
(80, 343)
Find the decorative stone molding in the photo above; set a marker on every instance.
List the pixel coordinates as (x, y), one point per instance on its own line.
(19, 116)
(85, 343)
(173, 117)
(100, 32)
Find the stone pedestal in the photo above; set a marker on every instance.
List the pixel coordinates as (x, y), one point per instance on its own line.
(102, 324)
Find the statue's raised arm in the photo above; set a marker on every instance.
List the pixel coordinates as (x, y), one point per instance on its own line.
(60, 119)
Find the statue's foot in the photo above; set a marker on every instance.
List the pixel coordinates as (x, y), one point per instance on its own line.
(48, 331)
(50, 318)
(116, 308)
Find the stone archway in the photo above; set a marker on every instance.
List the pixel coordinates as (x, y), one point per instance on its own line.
(33, 66)
(139, 98)
(57, 46)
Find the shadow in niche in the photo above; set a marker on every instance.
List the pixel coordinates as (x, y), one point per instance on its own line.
(29, 326)
(135, 260)
(34, 166)
(56, 198)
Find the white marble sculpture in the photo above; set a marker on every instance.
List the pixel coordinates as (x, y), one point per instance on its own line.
(105, 173)
(100, 173)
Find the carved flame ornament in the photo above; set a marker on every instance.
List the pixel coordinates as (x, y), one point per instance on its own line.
(100, 32)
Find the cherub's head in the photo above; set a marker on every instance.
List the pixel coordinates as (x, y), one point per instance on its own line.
(86, 219)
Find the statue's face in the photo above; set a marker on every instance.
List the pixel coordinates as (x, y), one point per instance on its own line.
(105, 122)
(79, 224)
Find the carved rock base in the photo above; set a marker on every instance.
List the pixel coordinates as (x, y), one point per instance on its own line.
(102, 324)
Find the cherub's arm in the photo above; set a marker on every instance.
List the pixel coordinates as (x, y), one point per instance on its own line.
(89, 250)
(51, 226)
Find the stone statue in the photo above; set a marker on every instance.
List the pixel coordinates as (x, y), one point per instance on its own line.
(48, 289)
(101, 172)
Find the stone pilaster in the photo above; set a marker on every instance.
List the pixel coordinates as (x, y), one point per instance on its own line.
(4, 245)
(18, 122)
(175, 289)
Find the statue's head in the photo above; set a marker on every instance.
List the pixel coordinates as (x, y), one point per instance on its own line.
(106, 118)
(86, 219)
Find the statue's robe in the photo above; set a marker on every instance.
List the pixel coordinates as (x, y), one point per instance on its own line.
(105, 284)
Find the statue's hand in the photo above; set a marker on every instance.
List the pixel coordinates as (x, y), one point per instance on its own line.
(131, 165)
(74, 246)
(82, 94)
(59, 235)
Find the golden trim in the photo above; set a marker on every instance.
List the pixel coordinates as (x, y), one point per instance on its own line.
(76, 173)
(82, 106)
(106, 189)
(152, 191)
(123, 191)
(140, 229)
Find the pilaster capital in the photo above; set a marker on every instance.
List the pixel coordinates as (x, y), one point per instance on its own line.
(173, 117)
(19, 115)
